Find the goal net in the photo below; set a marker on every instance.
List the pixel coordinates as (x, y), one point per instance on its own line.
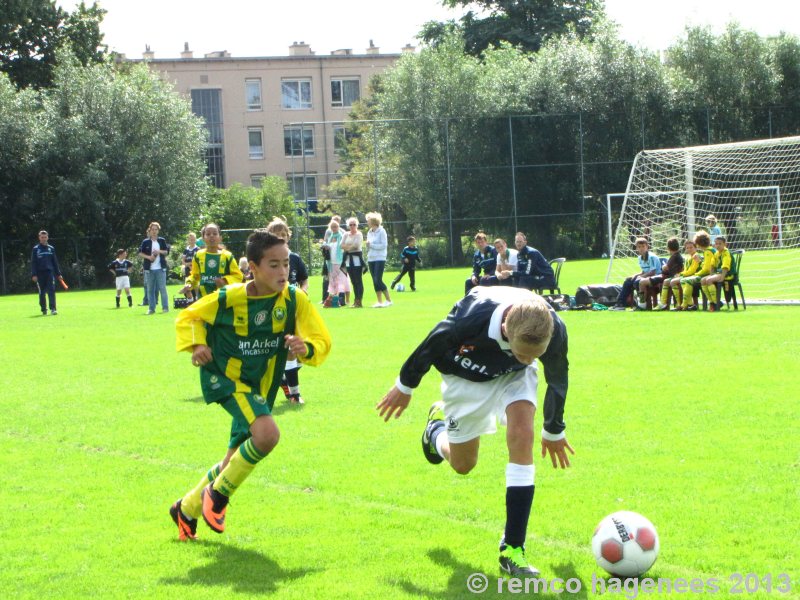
(753, 190)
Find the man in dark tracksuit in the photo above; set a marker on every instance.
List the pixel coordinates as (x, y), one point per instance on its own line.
(44, 270)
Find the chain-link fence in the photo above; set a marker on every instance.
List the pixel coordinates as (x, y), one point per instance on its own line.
(545, 175)
(444, 179)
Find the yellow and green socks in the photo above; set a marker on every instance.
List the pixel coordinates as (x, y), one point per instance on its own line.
(192, 503)
(239, 468)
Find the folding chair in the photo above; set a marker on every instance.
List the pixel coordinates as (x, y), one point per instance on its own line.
(730, 285)
(556, 265)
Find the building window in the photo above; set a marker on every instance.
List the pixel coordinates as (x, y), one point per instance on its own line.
(255, 139)
(344, 92)
(252, 89)
(296, 143)
(302, 193)
(207, 104)
(341, 137)
(296, 93)
(257, 180)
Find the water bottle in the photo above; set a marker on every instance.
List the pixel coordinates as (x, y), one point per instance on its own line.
(572, 302)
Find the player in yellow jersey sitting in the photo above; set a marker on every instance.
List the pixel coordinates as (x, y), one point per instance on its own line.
(240, 337)
(212, 267)
(691, 264)
(723, 264)
(703, 243)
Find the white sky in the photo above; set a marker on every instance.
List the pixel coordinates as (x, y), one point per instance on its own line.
(268, 27)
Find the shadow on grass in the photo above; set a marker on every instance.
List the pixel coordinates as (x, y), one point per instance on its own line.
(197, 399)
(284, 406)
(239, 569)
(462, 573)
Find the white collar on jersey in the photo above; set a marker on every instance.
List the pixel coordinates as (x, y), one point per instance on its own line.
(495, 331)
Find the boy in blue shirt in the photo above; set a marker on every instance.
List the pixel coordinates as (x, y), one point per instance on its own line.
(44, 271)
(650, 265)
(484, 259)
(120, 267)
(410, 257)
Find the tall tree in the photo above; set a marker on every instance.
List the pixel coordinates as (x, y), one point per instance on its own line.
(524, 23)
(32, 32)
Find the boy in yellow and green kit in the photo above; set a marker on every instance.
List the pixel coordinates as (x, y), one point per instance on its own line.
(241, 336)
(723, 267)
(212, 267)
(703, 243)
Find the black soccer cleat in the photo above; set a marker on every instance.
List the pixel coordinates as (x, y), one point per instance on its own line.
(435, 422)
(513, 562)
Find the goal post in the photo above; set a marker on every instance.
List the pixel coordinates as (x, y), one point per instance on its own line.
(753, 190)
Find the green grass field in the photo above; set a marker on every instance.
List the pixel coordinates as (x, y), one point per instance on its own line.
(690, 419)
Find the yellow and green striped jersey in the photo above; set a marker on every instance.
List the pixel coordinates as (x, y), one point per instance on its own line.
(246, 338)
(207, 266)
(708, 264)
(692, 264)
(724, 260)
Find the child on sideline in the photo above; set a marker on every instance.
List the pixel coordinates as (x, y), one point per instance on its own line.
(188, 255)
(241, 336)
(691, 264)
(723, 263)
(671, 269)
(486, 351)
(703, 243)
(120, 267)
(298, 277)
(410, 257)
(212, 267)
(649, 264)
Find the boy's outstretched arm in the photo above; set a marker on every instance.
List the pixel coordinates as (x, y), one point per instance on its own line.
(393, 403)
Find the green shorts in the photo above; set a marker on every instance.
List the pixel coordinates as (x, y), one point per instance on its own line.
(693, 280)
(244, 408)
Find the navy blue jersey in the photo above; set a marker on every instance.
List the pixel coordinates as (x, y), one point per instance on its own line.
(531, 262)
(297, 269)
(188, 253)
(412, 254)
(120, 267)
(43, 259)
(467, 344)
(484, 260)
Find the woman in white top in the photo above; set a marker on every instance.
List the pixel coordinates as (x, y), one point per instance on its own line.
(353, 259)
(377, 244)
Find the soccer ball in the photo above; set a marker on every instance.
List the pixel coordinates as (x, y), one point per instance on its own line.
(400, 287)
(625, 544)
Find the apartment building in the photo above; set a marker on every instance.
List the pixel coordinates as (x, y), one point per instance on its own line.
(277, 115)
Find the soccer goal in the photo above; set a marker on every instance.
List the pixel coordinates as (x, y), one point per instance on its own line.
(753, 190)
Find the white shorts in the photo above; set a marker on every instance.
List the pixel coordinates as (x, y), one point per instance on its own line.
(473, 408)
(123, 282)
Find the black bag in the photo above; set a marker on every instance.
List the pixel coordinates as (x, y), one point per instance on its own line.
(599, 293)
(181, 301)
(557, 301)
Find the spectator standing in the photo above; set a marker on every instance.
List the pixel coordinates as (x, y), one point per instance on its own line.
(410, 257)
(713, 228)
(153, 251)
(337, 279)
(188, 254)
(353, 260)
(120, 267)
(44, 271)
(377, 245)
